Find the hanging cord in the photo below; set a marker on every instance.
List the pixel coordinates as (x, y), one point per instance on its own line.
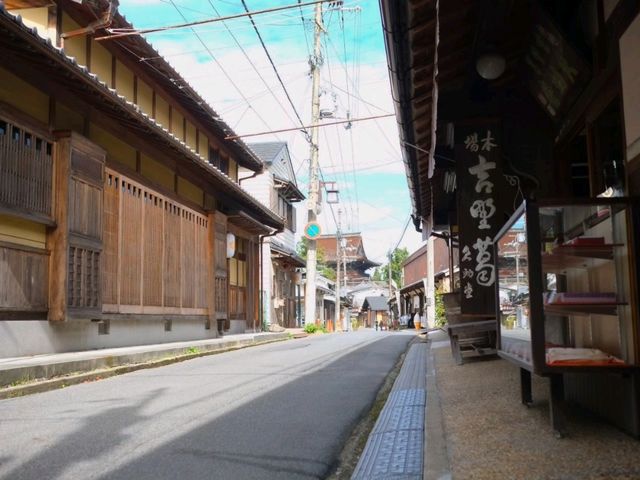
(514, 181)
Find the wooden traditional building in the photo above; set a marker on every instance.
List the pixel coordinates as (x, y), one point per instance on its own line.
(121, 218)
(356, 258)
(277, 188)
(419, 270)
(520, 127)
(375, 310)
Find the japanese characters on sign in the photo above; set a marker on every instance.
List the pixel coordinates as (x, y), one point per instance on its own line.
(479, 214)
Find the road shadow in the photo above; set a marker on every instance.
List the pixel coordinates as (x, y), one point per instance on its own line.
(94, 438)
(294, 432)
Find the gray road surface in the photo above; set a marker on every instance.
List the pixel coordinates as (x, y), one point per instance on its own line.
(280, 411)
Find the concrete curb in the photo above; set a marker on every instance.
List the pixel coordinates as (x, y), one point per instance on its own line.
(436, 458)
(47, 377)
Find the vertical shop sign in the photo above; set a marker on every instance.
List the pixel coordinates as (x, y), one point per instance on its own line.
(481, 192)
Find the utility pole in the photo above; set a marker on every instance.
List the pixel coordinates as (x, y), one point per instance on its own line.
(315, 63)
(337, 313)
(389, 272)
(347, 312)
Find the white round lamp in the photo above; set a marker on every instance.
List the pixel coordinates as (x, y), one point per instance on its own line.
(491, 65)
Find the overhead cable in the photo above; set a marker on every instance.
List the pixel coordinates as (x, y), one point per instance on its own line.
(228, 77)
(235, 137)
(251, 62)
(125, 32)
(275, 70)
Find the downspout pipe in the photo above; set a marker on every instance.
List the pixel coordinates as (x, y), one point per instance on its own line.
(261, 267)
(253, 175)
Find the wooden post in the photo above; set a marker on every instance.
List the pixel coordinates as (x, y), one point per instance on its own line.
(78, 172)
(557, 405)
(525, 387)
(211, 273)
(58, 238)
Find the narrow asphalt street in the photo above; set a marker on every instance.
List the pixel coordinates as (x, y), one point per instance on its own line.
(281, 410)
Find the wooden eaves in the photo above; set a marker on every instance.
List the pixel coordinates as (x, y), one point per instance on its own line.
(53, 71)
(416, 43)
(289, 189)
(161, 74)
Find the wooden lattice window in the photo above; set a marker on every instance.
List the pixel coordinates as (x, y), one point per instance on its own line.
(221, 294)
(25, 170)
(83, 283)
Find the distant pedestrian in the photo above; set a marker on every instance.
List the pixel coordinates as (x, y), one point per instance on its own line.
(376, 325)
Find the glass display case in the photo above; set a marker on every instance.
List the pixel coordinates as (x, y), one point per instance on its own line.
(567, 286)
(564, 276)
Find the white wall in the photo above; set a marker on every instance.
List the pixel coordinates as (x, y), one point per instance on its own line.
(31, 337)
(261, 187)
(267, 282)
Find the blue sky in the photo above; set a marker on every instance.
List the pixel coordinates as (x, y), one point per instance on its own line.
(242, 87)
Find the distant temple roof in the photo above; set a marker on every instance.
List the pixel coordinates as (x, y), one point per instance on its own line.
(355, 250)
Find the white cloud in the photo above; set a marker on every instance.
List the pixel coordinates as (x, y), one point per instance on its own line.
(375, 142)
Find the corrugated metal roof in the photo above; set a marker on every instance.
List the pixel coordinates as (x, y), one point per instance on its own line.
(267, 151)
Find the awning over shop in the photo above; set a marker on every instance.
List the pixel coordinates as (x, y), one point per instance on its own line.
(247, 223)
(412, 288)
(289, 190)
(283, 254)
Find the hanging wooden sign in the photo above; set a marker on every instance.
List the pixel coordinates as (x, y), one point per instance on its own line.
(484, 199)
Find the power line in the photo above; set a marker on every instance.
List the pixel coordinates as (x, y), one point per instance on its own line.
(251, 62)
(235, 137)
(373, 167)
(257, 96)
(344, 176)
(125, 32)
(221, 67)
(304, 29)
(266, 51)
(403, 232)
(352, 95)
(330, 153)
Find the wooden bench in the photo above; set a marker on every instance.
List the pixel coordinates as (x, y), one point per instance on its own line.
(472, 339)
(470, 335)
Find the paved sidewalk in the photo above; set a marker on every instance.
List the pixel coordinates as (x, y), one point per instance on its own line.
(396, 444)
(489, 434)
(19, 370)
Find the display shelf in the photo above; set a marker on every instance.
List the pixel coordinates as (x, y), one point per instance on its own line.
(583, 309)
(560, 261)
(563, 257)
(604, 251)
(569, 276)
(564, 272)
